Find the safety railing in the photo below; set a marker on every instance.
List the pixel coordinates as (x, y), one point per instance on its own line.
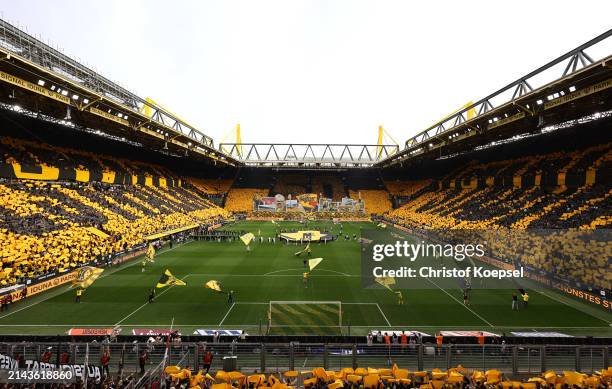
(267, 357)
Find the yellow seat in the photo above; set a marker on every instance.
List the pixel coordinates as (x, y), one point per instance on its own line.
(290, 374)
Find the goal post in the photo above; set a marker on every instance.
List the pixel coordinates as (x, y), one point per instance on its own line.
(304, 314)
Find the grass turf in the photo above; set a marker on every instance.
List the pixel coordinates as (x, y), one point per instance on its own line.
(272, 272)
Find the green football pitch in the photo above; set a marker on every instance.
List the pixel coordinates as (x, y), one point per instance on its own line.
(271, 272)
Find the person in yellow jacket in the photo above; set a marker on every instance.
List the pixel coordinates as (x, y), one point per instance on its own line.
(79, 293)
(400, 297)
(525, 299)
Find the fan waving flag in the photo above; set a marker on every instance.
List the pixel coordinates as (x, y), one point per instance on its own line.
(247, 238)
(167, 279)
(214, 285)
(86, 276)
(312, 263)
(297, 254)
(387, 282)
(150, 253)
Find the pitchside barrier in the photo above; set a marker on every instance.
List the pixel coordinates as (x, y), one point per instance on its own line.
(272, 358)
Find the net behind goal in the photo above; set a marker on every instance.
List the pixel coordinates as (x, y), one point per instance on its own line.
(304, 316)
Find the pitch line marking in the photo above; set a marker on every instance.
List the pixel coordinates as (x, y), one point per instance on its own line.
(383, 315)
(62, 290)
(302, 269)
(145, 304)
(274, 275)
(463, 305)
(228, 312)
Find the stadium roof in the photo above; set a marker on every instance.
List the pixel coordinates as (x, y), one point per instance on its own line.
(42, 81)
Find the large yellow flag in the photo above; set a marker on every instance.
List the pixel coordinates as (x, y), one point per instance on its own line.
(86, 276)
(297, 254)
(214, 285)
(247, 238)
(387, 282)
(167, 279)
(312, 263)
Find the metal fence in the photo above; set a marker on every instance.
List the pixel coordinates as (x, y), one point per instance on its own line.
(265, 357)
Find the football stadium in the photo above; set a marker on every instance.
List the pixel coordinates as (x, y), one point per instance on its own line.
(139, 251)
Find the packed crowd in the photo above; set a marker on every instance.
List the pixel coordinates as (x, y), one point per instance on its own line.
(376, 201)
(241, 199)
(54, 227)
(360, 378)
(373, 378)
(508, 216)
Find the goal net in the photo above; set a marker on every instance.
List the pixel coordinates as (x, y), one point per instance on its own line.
(304, 316)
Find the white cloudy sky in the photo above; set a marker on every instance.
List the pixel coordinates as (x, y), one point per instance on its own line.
(312, 70)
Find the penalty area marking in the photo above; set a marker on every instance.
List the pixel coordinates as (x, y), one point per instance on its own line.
(463, 305)
(228, 312)
(383, 315)
(145, 304)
